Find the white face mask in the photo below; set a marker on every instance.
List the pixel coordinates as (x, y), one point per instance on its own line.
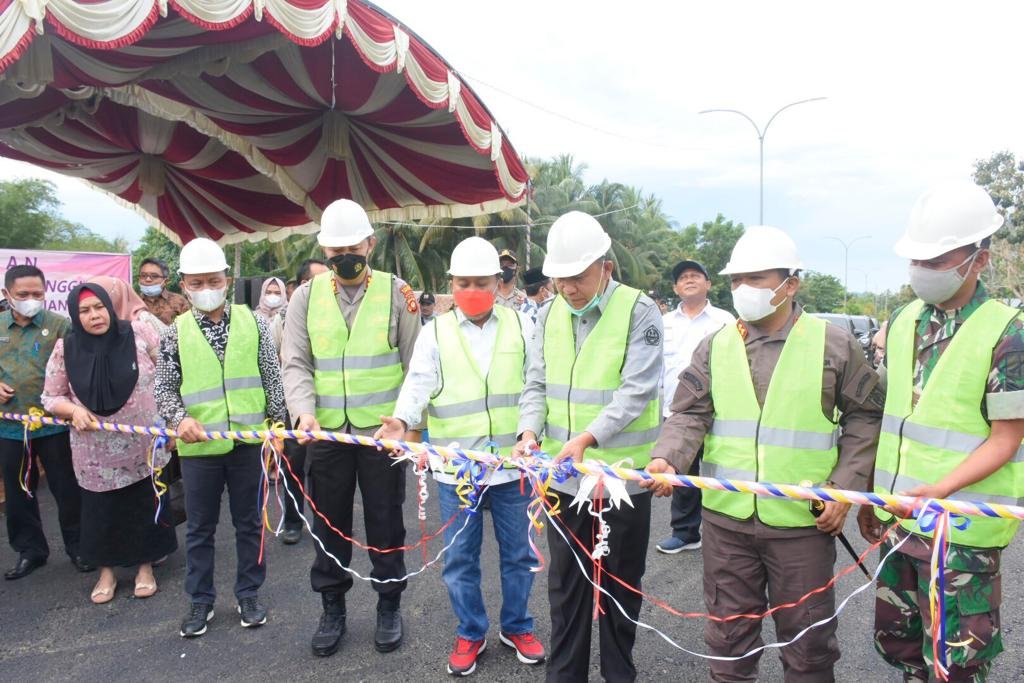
(207, 300)
(273, 301)
(753, 304)
(936, 286)
(27, 307)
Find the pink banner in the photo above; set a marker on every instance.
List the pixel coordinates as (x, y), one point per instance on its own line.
(64, 270)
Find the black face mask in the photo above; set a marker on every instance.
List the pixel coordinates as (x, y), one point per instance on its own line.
(348, 266)
(508, 274)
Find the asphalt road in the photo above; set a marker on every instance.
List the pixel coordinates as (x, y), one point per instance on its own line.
(50, 631)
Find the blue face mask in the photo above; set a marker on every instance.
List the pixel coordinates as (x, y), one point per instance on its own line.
(590, 305)
(151, 290)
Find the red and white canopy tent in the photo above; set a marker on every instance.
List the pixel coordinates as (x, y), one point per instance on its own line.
(242, 119)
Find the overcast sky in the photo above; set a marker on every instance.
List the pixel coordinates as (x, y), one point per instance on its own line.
(917, 91)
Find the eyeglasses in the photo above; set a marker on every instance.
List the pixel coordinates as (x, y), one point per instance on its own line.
(151, 277)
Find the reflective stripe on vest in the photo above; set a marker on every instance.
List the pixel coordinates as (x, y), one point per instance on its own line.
(579, 386)
(222, 397)
(472, 409)
(357, 373)
(922, 444)
(787, 441)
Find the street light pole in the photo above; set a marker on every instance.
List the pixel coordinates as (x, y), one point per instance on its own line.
(846, 265)
(760, 141)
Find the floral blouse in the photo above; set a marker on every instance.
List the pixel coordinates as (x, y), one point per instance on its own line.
(106, 461)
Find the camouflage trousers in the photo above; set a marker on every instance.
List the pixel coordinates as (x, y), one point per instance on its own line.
(903, 625)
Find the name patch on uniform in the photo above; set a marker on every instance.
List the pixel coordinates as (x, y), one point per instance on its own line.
(652, 337)
(411, 304)
(5, 340)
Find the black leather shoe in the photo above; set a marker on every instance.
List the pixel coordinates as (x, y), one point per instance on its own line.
(81, 565)
(291, 536)
(332, 625)
(25, 566)
(388, 635)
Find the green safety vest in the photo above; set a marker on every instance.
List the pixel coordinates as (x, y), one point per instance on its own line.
(471, 408)
(357, 374)
(922, 444)
(221, 397)
(579, 386)
(785, 442)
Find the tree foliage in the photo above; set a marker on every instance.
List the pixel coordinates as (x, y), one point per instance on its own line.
(820, 293)
(30, 219)
(1003, 178)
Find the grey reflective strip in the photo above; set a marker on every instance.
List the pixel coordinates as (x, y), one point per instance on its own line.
(710, 469)
(250, 419)
(243, 383)
(197, 397)
(788, 438)
(935, 437)
(362, 401)
(595, 397)
(620, 440)
(474, 442)
(215, 427)
(884, 479)
(478, 405)
(337, 402)
(905, 483)
(740, 429)
(357, 362)
(891, 424)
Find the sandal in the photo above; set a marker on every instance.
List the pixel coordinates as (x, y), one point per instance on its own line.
(145, 590)
(101, 596)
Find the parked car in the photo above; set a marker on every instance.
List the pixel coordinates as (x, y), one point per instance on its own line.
(862, 327)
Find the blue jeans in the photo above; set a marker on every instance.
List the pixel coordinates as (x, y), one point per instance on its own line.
(462, 560)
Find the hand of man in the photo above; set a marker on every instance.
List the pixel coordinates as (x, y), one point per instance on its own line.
(527, 443)
(924, 491)
(391, 429)
(833, 518)
(191, 431)
(870, 525)
(306, 423)
(576, 448)
(6, 392)
(82, 419)
(658, 466)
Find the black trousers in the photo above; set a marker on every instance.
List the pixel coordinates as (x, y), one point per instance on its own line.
(334, 471)
(296, 455)
(686, 507)
(24, 525)
(204, 478)
(572, 596)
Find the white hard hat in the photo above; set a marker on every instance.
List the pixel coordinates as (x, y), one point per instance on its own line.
(762, 247)
(474, 256)
(201, 255)
(343, 224)
(948, 216)
(575, 241)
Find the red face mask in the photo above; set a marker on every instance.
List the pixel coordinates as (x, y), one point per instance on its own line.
(474, 302)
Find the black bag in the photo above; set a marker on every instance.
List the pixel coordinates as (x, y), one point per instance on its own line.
(175, 495)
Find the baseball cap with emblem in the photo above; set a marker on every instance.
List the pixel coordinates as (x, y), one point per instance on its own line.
(426, 299)
(507, 253)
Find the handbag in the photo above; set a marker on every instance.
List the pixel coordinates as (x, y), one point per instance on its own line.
(175, 490)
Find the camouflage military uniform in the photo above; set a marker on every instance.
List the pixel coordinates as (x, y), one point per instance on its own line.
(973, 591)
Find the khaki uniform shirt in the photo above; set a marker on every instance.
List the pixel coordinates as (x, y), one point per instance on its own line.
(297, 354)
(848, 383)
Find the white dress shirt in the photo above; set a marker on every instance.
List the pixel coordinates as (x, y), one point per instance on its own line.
(424, 377)
(682, 335)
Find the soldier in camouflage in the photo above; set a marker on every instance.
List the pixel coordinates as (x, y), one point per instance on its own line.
(951, 298)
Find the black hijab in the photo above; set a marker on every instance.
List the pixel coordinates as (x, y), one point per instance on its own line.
(102, 369)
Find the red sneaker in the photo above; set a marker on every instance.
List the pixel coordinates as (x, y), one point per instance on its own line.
(462, 660)
(528, 649)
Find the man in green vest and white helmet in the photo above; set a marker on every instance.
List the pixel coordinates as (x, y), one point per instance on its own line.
(218, 371)
(954, 420)
(467, 370)
(763, 397)
(592, 386)
(348, 339)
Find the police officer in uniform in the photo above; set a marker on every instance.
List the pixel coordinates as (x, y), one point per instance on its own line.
(762, 396)
(347, 342)
(954, 420)
(592, 383)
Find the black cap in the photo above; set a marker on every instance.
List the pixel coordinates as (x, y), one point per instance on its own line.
(426, 299)
(534, 276)
(688, 265)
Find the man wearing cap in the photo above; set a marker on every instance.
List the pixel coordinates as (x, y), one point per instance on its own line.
(426, 307)
(954, 420)
(218, 371)
(347, 343)
(761, 397)
(508, 294)
(685, 326)
(539, 292)
(592, 379)
(467, 369)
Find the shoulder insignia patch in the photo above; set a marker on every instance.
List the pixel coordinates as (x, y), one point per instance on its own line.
(411, 304)
(652, 337)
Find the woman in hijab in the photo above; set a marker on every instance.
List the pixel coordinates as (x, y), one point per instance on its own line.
(271, 299)
(104, 370)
